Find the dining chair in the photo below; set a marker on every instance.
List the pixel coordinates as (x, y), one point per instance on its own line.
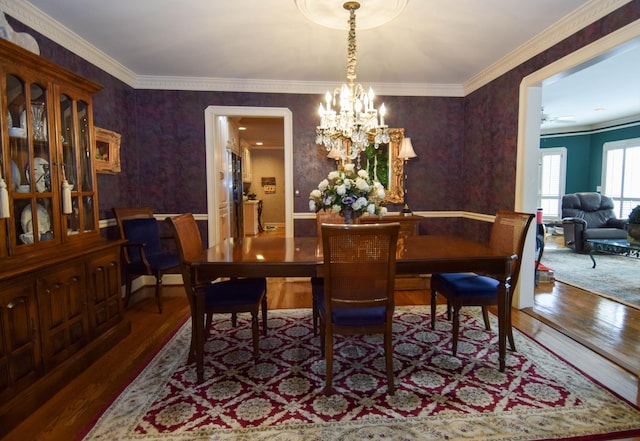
(322, 217)
(359, 267)
(508, 236)
(144, 252)
(231, 296)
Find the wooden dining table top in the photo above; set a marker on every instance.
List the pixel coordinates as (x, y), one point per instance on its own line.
(302, 256)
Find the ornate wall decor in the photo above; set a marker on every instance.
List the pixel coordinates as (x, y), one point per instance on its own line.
(107, 151)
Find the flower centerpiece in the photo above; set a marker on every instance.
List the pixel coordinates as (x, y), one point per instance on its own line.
(348, 192)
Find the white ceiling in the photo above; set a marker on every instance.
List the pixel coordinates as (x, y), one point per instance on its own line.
(431, 41)
(433, 47)
(608, 90)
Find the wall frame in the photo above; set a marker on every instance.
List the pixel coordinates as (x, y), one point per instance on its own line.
(107, 151)
(390, 168)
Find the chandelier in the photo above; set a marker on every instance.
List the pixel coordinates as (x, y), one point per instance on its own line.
(348, 119)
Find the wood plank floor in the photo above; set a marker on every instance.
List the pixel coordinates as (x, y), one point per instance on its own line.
(68, 413)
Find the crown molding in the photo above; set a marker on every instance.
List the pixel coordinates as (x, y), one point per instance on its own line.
(567, 26)
(616, 124)
(297, 87)
(33, 17)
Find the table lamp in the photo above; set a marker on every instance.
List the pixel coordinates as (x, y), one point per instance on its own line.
(406, 153)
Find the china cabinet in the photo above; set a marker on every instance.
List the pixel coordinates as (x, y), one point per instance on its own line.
(60, 303)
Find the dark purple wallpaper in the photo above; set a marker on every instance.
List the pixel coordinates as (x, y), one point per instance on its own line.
(491, 120)
(466, 147)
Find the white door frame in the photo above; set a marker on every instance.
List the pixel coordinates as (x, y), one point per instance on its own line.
(211, 114)
(529, 137)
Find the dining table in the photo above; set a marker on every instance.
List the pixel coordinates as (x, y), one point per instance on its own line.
(264, 256)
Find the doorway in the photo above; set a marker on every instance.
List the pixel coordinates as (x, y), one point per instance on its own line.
(216, 165)
(529, 133)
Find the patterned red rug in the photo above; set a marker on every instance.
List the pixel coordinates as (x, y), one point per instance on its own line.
(438, 396)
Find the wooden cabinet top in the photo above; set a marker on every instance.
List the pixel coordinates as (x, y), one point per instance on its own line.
(18, 56)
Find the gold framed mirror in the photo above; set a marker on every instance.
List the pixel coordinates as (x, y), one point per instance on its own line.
(384, 166)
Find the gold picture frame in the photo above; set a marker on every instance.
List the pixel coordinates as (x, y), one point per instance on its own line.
(389, 165)
(107, 151)
(395, 192)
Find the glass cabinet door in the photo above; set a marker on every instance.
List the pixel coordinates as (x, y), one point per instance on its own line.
(31, 155)
(77, 165)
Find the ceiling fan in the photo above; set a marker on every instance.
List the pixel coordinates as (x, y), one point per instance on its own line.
(547, 118)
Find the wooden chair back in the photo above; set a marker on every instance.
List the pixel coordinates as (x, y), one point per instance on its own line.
(326, 217)
(189, 244)
(126, 213)
(508, 235)
(359, 265)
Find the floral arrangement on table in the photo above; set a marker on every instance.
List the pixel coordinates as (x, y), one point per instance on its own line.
(348, 192)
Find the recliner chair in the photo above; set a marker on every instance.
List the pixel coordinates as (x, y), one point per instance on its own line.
(589, 215)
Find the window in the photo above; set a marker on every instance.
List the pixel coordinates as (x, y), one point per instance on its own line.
(552, 169)
(621, 174)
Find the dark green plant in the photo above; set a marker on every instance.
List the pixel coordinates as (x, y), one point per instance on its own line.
(634, 216)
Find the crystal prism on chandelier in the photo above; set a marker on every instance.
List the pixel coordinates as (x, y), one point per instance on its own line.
(348, 132)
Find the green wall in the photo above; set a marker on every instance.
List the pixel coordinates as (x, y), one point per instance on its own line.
(584, 154)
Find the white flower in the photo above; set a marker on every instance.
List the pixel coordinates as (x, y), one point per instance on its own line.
(383, 211)
(362, 185)
(348, 189)
(323, 185)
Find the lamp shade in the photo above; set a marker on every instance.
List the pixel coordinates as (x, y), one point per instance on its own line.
(406, 150)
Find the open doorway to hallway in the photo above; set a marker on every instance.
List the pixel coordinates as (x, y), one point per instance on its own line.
(218, 142)
(263, 171)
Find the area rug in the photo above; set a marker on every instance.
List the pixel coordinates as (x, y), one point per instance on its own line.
(614, 277)
(438, 396)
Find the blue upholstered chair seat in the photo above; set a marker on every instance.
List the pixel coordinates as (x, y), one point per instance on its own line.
(354, 316)
(467, 286)
(235, 292)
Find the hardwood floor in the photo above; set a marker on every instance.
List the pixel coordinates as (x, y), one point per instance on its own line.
(68, 413)
(606, 327)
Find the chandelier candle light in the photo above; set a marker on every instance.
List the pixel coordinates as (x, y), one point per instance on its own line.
(348, 132)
